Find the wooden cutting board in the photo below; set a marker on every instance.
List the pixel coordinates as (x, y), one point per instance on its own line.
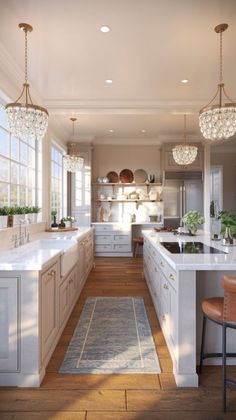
(61, 229)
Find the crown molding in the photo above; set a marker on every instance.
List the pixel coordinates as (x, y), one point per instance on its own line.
(107, 107)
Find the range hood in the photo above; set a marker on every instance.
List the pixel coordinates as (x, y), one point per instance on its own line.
(183, 175)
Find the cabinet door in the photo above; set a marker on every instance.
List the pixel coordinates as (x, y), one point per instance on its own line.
(81, 262)
(72, 287)
(173, 316)
(9, 327)
(49, 307)
(64, 300)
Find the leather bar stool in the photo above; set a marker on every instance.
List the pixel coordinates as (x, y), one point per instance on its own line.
(222, 311)
(137, 241)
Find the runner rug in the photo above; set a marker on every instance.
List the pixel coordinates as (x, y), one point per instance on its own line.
(113, 335)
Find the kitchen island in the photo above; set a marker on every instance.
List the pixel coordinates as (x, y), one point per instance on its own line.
(178, 282)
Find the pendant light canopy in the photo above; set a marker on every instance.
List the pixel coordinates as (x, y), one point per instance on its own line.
(25, 119)
(184, 154)
(218, 120)
(73, 163)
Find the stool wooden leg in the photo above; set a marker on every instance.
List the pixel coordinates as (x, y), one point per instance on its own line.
(202, 343)
(224, 365)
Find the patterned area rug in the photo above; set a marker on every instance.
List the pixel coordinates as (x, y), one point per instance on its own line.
(113, 335)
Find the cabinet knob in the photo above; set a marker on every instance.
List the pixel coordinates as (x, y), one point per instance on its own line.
(171, 277)
(52, 273)
(162, 265)
(166, 286)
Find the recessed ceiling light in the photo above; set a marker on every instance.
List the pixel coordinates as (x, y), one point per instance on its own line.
(109, 81)
(111, 130)
(143, 131)
(184, 81)
(105, 29)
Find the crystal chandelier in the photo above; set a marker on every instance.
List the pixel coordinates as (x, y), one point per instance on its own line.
(218, 122)
(25, 119)
(184, 154)
(73, 163)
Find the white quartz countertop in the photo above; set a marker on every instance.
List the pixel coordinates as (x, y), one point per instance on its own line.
(40, 250)
(224, 261)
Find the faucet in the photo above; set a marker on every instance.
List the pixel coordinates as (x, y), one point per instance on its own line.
(22, 235)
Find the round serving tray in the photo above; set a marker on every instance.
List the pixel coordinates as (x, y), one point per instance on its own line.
(126, 176)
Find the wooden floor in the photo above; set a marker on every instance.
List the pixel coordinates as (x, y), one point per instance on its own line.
(117, 397)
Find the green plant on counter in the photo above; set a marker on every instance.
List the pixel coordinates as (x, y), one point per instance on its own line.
(68, 219)
(228, 220)
(192, 220)
(4, 211)
(35, 209)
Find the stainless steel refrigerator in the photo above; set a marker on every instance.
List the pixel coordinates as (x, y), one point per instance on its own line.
(182, 192)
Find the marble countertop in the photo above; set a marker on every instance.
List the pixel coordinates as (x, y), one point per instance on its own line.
(40, 250)
(224, 261)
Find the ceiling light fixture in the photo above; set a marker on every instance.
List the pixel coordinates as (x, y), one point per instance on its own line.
(184, 81)
(109, 81)
(218, 122)
(73, 163)
(143, 131)
(25, 119)
(105, 29)
(184, 154)
(111, 130)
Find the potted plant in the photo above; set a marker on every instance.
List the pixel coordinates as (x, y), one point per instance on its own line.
(4, 212)
(35, 210)
(68, 221)
(228, 220)
(192, 220)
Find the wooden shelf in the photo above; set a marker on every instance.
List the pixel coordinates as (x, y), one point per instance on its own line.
(129, 201)
(123, 184)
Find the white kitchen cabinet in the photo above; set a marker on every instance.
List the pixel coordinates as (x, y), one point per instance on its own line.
(161, 280)
(49, 308)
(9, 324)
(68, 293)
(112, 239)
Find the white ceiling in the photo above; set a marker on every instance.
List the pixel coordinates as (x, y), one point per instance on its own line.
(152, 45)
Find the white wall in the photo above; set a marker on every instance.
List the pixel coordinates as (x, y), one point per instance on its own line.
(228, 162)
(115, 158)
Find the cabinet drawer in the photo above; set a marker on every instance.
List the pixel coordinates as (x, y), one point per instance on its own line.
(103, 248)
(122, 239)
(103, 239)
(122, 248)
(169, 273)
(103, 228)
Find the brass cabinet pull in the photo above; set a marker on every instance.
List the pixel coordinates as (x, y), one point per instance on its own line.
(52, 273)
(166, 286)
(171, 277)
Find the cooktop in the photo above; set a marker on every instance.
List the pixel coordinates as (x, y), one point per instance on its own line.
(190, 248)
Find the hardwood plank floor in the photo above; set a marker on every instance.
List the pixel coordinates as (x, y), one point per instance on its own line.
(117, 397)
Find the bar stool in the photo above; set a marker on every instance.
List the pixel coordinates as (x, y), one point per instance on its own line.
(137, 241)
(221, 311)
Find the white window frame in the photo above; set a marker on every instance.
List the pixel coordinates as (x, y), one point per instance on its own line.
(62, 210)
(37, 168)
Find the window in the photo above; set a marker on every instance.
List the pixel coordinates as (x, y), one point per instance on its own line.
(83, 187)
(58, 183)
(20, 169)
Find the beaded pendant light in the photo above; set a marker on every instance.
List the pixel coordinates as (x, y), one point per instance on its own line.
(25, 119)
(184, 154)
(218, 121)
(73, 163)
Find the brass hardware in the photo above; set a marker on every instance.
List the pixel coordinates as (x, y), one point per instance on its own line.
(221, 28)
(171, 277)
(52, 273)
(162, 265)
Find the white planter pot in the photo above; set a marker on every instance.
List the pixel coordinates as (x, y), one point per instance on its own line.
(67, 223)
(3, 222)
